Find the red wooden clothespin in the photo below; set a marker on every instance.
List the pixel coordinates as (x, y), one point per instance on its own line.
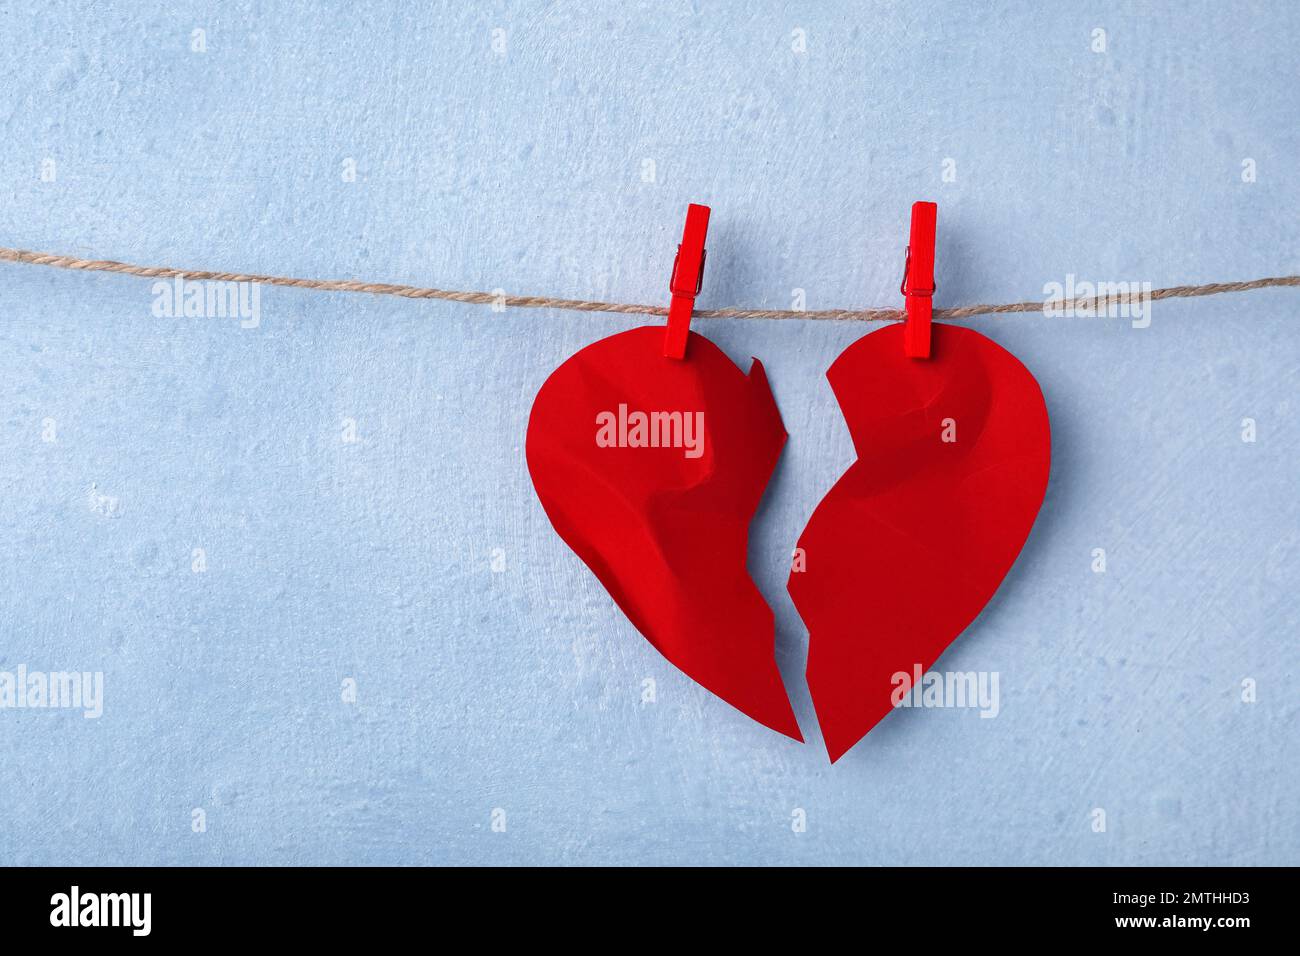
(918, 280)
(686, 281)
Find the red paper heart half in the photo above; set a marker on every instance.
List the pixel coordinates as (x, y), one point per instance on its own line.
(651, 469)
(913, 540)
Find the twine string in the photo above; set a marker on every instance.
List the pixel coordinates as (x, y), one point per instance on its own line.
(1085, 304)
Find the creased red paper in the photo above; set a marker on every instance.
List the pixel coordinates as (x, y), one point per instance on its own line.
(666, 528)
(913, 540)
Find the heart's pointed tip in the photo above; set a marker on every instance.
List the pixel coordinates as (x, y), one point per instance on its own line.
(839, 734)
(786, 724)
(836, 751)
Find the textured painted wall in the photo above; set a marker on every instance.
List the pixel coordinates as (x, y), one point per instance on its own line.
(129, 441)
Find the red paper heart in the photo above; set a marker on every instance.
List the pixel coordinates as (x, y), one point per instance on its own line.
(666, 528)
(913, 540)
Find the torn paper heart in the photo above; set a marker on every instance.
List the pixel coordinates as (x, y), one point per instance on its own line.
(650, 469)
(913, 540)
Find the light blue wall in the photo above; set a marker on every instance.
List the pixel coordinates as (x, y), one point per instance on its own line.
(521, 690)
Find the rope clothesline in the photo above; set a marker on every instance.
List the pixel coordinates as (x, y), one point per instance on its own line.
(582, 305)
